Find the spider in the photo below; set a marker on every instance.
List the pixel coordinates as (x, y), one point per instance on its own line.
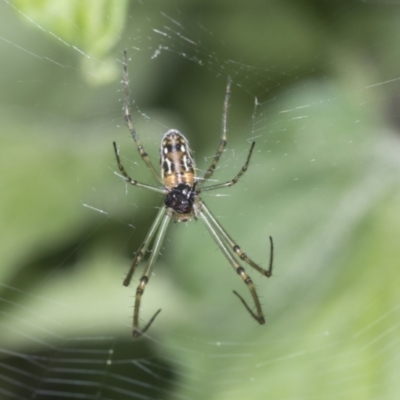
(182, 202)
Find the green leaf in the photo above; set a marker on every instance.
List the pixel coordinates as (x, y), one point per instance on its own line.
(92, 27)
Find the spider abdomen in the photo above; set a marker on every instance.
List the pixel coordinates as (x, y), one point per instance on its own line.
(177, 164)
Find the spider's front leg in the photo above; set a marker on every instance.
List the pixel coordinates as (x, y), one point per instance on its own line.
(144, 246)
(139, 292)
(162, 221)
(219, 239)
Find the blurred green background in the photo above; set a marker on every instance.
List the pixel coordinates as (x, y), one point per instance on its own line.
(315, 84)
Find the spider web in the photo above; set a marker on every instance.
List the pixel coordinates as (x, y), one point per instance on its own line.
(315, 84)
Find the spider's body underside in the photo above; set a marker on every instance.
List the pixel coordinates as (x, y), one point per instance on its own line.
(182, 202)
(179, 176)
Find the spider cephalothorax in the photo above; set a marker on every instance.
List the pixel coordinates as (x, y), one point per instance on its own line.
(181, 199)
(182, 202)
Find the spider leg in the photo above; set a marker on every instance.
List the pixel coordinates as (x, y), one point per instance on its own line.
(222, 144)
(258, 316)
(251, 312)
(129, 179)
(143, 247)
(146, 276)
(236, 248)
(237, 177)
(128, 119)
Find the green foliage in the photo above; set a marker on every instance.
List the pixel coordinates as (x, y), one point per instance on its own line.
(93, 27)
(323, 181)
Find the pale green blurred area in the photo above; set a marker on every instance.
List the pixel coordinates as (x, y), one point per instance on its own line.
(323, 181)
(92, 27)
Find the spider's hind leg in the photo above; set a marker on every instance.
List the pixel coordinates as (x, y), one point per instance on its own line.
(207, 175)
(128, 119)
